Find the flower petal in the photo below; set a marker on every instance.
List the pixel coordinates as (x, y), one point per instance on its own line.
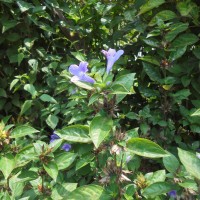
(118, 54)
(74, 69)
(83, 66)
(104, 52)
(111, 52)
(110, 63)
(75, 79)
(66, 147)
(87, 78)
(172, 193)
(54, 136)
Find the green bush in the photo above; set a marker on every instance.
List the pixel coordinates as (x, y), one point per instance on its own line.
(132, 132)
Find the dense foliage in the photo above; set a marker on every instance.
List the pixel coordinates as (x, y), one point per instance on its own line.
(127, 132)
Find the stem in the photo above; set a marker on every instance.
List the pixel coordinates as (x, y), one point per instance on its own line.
(42, 190)
(7, 184)
(119, 172)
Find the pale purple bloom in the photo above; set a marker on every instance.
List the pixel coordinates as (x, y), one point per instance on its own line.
(112, 56)
(108, 83)
(79, 73)
(54, 137)
(128, 158)
(172, 193)
(66, 147)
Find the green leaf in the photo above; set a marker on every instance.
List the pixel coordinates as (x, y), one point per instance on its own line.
(195, 128)
(184, 40)
(13, 83)
(79, 56)
(190, 162)
(7, 164)
(157, 189)
(33, 64)
(24, 6)
(175, 29)
(144, 127)
(148, 92)
(64, 159)
(13, 37)
(164, 15)
(86, 159)
(149, 5)
(38, 9)
(171, 163)
(51, 169)
(184, 8)
(189, 184)
(125, 80)
(196, 113)
(20, 57)
(46, 27)
(31, 89)
(83, 85)
(61, 190)
(26, 155)
(146, 148)
(152, 72)
(47, 98)
(29, 42)
(3, 93)
(196, 52)
(152, 42)
(120, 89)
(8, 25)
(93, 98)
(150, 59)
(17, 181)
(77, 117)
(75, 133)
(130, 15)
(88, 192)
(52, 121)
(27, 104)
(55, 144)
(123, 85)
(99, 129)
(7, 1)
(153, 177)
(16, 187)
(25, 175)
(174, 55)
(23, 130)
(181, 95)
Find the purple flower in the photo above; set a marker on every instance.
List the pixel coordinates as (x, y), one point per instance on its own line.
(66, 147)
(112, 56)
(172, 193)
(54, 137)
(79, 73)
(108, 83)
(128, 158)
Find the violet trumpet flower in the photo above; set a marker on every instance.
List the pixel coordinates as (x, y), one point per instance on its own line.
(79, 73)
(112, 56)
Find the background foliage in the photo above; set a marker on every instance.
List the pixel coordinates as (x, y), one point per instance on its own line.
(40, 40)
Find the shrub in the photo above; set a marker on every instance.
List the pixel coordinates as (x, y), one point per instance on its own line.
(78, 123)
